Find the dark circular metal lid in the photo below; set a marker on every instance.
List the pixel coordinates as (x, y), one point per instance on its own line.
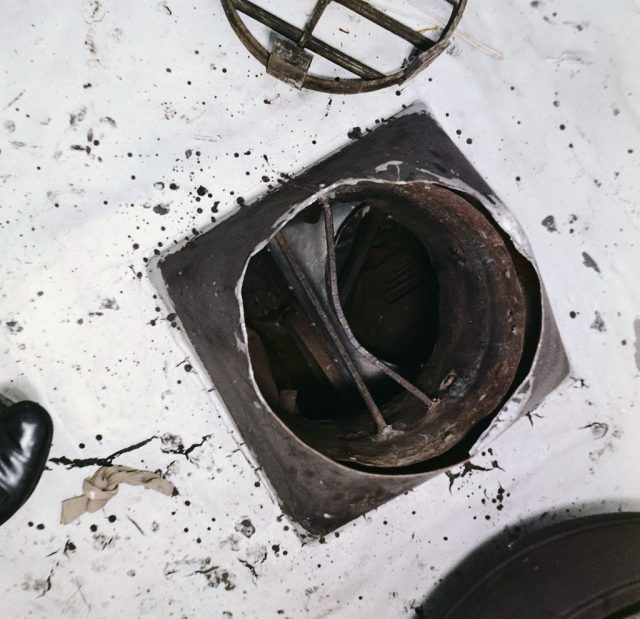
(585, 568)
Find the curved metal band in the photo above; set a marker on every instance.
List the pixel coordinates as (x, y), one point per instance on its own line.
(355, 85)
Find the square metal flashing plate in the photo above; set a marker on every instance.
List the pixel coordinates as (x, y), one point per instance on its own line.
(204, 279)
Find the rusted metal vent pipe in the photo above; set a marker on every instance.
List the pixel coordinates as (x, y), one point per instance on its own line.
(387, 321)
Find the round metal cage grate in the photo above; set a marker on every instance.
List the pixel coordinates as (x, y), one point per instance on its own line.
(293, 48)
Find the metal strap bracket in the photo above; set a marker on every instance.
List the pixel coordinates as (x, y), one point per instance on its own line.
(289, 62)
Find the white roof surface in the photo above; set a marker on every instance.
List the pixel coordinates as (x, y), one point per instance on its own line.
(102, 107)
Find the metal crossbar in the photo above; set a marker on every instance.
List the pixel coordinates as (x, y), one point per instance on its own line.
(304, 36)
(337, 329)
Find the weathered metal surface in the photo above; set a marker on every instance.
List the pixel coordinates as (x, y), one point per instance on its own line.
(288, 62)
(480, 341)
(300, 276)
(204, 280)
(368, 79)
(336, 303)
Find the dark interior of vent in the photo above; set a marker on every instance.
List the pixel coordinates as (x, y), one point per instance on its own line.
(390, 296)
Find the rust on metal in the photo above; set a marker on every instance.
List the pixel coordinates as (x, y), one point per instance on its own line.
(454, 322)
(289, 59)
(480, 333)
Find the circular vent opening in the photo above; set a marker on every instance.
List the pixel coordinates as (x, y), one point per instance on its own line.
(386, 322)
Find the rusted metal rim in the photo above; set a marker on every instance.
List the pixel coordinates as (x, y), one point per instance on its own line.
(483, 317)
(369, 79)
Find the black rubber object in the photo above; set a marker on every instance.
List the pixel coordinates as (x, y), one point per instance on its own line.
(588, 568)
(25, 438)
